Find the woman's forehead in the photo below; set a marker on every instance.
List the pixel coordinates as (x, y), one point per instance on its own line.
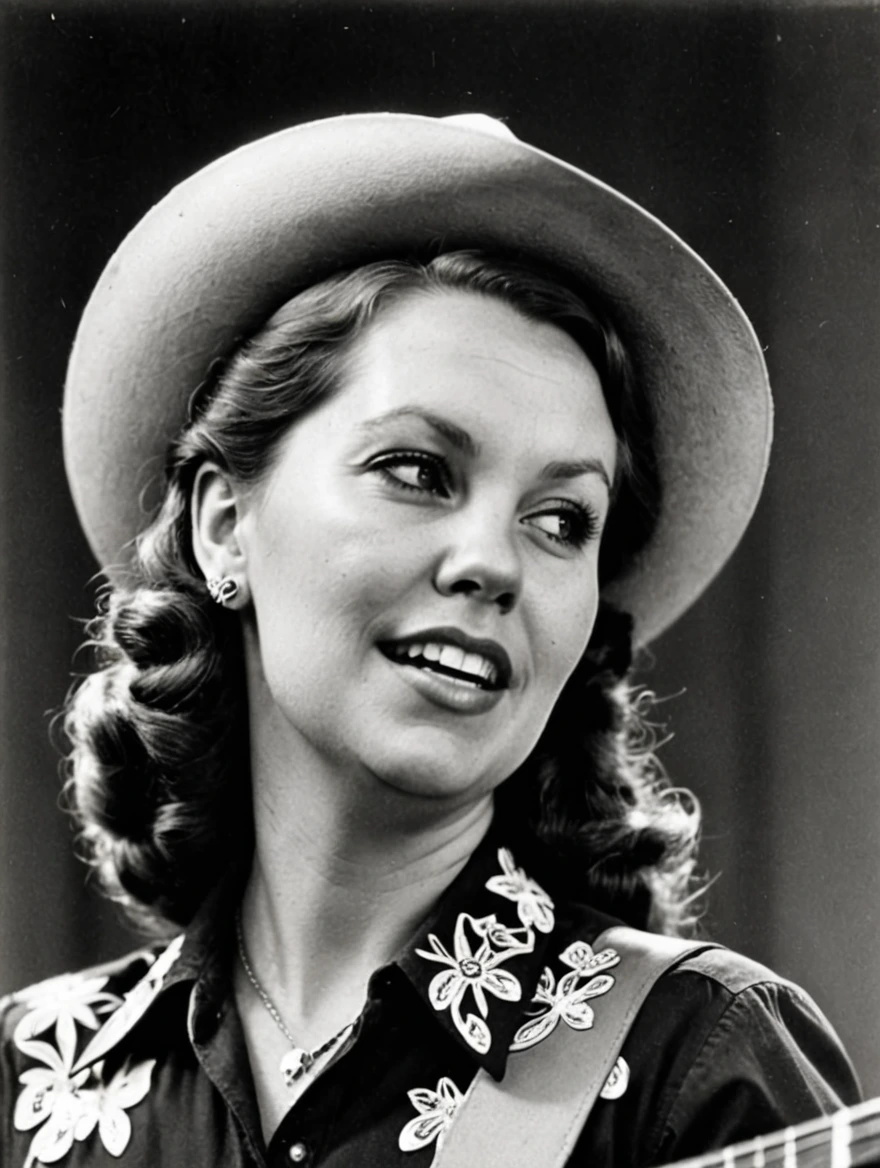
(481, 366)
(452, 324)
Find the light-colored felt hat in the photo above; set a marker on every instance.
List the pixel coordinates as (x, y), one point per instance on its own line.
(215, 258)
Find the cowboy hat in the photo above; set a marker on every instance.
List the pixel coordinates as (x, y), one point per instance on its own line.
(214, 259)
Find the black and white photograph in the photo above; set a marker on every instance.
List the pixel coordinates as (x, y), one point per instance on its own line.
(440, 561)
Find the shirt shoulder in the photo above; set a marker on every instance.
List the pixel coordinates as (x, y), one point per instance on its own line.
(746, 1052)
(722, 1049)
(729, 971)
(765, 1025)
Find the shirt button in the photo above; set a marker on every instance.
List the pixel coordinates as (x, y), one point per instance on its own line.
(297, 1153)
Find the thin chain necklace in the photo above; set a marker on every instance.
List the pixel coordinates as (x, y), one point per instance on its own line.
(297, 1062)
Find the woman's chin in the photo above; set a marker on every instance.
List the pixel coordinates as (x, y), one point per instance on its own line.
(440, 763)
(451, 777)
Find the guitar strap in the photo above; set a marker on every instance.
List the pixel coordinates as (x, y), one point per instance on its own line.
(536, 1114)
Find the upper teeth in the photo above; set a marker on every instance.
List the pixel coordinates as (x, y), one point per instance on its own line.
(453, 658)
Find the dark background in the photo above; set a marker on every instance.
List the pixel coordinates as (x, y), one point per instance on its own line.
(753, 131)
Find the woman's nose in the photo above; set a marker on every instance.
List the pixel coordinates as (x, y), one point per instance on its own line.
(482, 561)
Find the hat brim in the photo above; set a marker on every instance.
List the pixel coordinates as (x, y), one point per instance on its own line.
(215, 258)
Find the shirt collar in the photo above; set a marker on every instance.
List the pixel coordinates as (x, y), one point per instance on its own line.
(476, 960)
(187, 958)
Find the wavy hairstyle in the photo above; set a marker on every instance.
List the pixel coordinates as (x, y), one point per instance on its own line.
(157, 766)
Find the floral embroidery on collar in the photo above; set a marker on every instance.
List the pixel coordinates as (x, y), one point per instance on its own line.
(568, 1000)
(534, 906)
(474, 968)
(133, 1007)
(481, 944)
(436, 1109)
(65, 1103)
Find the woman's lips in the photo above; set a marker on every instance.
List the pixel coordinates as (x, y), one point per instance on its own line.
(452, 669)
(455, 655)
(453, 693)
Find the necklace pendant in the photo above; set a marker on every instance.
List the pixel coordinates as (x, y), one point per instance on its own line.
(295, 1064)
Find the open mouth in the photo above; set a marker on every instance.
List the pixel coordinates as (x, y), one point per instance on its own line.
(485, 668)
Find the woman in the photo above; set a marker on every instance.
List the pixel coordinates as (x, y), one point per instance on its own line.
(361, 723)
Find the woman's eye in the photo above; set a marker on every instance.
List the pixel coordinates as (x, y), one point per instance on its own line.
(415, 471)
(572, 526)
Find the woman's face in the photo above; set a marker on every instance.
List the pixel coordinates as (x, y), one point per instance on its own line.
(423, 555)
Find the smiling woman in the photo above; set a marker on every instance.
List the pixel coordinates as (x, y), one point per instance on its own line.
(361, 721)
(424, 535)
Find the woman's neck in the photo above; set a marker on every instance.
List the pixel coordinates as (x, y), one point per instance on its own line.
(344, 871)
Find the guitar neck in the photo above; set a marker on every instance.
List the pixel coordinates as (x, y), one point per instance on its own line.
(848, 1139)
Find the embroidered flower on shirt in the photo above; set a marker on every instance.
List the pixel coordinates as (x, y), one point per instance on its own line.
(580, 956)
(473, 968)
(534, 906)
(62, 1002)
(69, 1106)
(568, 1000)
(49, 1098)
(66, 1099)
(436, 1112)
(103, 1106)
(617, 1081)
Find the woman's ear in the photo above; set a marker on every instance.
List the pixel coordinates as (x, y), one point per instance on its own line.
(214, 514)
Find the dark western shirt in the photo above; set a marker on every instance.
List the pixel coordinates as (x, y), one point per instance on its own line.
(143, 1061)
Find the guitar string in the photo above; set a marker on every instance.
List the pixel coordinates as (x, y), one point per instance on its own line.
(811, 1149)
(863, 1149)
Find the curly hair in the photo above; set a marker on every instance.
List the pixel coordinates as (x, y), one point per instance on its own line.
(157, 766)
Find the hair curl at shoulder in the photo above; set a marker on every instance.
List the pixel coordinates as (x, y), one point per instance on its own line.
(157, 766)
(158, 755)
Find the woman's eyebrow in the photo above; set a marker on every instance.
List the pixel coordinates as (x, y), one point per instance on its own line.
(457, 437)
(573, 470)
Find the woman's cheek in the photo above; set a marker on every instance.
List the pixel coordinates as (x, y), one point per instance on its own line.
(568, 629)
